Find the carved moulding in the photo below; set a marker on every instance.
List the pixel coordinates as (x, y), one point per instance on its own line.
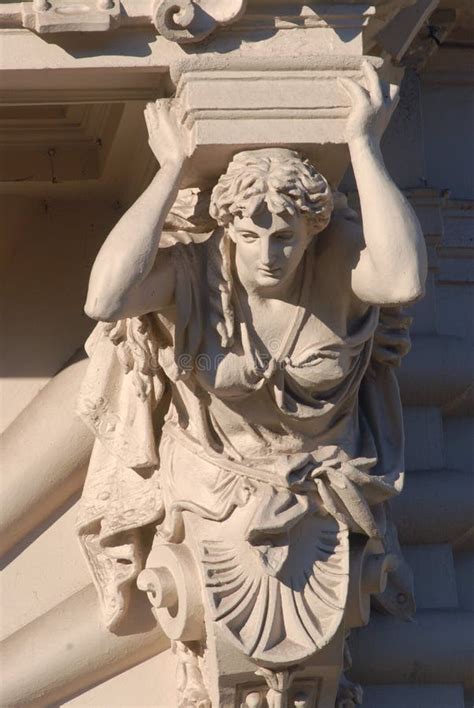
(191, 21)
(187, 21)
(46, 16)
(182, 21)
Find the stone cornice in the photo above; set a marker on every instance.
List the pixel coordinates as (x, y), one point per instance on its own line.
(189, 21)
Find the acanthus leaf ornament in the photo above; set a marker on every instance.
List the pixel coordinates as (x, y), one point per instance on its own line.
(187, 21)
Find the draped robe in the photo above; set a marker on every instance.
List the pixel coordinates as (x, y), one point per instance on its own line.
(316, 422)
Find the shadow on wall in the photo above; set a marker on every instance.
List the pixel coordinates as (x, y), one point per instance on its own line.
(103, 44)
(48, 248)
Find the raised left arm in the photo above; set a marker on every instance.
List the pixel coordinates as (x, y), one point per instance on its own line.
(392, 266)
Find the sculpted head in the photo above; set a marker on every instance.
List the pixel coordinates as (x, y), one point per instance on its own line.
(271, 203)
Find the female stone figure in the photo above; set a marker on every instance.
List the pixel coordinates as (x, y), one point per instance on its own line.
(260, 337)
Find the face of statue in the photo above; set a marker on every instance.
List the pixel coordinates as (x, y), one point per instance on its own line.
(268, 249)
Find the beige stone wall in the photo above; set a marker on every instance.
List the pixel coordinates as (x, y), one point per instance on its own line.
(424, 664)
(50, 236)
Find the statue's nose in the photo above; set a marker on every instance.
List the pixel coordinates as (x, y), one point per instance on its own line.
(265, 256)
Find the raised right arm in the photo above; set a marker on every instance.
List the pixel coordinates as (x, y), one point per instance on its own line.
(125, 280)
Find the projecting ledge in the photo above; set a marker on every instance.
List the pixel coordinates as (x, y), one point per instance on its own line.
(436, 647)
(437, 371)
(436, 506)
(67, 650)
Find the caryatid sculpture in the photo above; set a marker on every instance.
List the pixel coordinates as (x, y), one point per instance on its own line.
(242, 394)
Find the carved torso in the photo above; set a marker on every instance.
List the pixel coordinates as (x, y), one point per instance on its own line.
(295, 393)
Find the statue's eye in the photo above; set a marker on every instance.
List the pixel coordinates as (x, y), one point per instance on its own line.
(248, 236)
(284, 236)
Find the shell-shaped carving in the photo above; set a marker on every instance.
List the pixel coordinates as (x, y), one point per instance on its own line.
(191, 20)
(283, 618)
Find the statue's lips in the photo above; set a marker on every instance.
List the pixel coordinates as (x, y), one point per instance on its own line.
(271, 272)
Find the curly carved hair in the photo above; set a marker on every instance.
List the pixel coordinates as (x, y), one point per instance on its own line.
(278, 178)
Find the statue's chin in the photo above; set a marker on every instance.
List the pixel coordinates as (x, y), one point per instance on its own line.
(268, 280)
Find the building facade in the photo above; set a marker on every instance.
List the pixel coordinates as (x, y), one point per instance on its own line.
(76, 78)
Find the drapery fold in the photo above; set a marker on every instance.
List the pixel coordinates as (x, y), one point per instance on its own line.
(131, 365)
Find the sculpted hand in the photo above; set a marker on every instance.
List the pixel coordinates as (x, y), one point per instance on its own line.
(164, 135)
(371, 107)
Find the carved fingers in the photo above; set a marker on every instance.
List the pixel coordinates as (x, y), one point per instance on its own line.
(164, 135)
(374, 85)
(372, 106)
